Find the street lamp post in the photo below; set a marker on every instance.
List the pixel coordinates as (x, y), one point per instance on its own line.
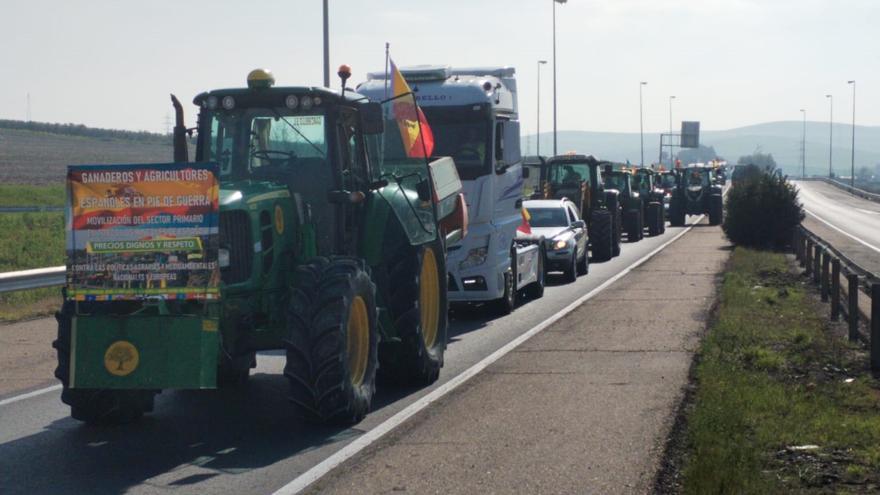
(554, 72)
(852, 175)
(641, 123)
(830, 135)
(538, 112)
(671, 162)
(326, 46)
(804, 146)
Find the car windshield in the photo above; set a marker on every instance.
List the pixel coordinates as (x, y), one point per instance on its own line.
(247, 142)
(548, 217)
(462, 133)
(569, 173)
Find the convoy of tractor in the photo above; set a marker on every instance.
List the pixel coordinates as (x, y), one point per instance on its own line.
(338, 227)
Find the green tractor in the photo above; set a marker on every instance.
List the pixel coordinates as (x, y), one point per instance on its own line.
(331, 249)
(646, 183)
(580, 179)
(632, 204)
(696, 193)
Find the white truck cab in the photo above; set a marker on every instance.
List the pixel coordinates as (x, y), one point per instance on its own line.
(473, 115)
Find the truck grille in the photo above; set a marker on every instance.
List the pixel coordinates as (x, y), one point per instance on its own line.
(235, 235)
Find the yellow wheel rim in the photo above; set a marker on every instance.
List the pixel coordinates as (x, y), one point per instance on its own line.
(358, 346)
(429, 298)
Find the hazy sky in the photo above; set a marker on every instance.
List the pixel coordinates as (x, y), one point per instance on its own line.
(112, 63)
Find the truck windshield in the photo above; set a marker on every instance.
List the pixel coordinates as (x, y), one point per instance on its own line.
(548, 217)
(569, 173)
(250, 143)
(464, 134)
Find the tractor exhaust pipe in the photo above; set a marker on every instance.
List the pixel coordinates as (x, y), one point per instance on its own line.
(181, 151)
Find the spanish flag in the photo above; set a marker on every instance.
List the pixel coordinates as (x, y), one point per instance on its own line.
(418, 140)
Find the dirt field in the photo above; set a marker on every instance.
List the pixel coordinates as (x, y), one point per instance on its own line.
(29, 157)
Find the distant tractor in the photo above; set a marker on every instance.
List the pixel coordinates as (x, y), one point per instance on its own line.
(645, 181)
(620, 178)
(579, 178)
(332, 248)
(696, 193)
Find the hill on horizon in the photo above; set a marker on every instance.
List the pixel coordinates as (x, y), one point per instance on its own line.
(782, 139)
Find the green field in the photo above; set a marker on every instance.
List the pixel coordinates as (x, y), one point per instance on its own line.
(781, 404)
(28, 195)
(30, 240)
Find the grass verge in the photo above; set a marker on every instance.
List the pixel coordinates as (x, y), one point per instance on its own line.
(781, 404)
(27, 195)
(30, 240)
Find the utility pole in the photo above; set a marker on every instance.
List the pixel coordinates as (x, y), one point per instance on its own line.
(852, 175)
(554, 73)
(28, 107)
(671, 161)
(641, 123)
(540, 63)
(830, 135)
(326, 46)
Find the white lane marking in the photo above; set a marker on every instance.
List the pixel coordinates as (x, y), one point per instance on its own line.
(817, 217)
(316, 472)
(30, 394)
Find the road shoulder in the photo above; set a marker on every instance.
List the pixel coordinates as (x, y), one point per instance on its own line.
(584, 406)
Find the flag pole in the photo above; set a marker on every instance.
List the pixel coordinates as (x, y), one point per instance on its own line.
(386, 68)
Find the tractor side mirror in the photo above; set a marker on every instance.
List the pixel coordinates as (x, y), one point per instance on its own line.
(526, 172)
(372, 119)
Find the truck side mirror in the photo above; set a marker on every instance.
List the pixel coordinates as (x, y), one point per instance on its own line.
(372, 119)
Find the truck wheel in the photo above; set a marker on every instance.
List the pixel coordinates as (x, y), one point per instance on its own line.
(506, 304)
(601, 235)
(332, 342)
(716, 210)
(655, 219)
(535, 290)
(676, 211)
(570, 274)
(419, 297)
(94, 406)
(583, 266)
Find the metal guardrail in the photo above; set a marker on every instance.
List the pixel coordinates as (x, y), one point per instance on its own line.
(32, 279)
(855, 191)
(29, 209)
(827, 266)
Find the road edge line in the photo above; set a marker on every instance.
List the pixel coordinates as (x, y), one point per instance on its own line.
(317, 471)
(826, 222)
(34, 393)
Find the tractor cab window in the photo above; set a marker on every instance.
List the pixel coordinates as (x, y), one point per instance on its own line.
(616, 181)
(667, 181)
(698, 177)
(262, 142)
(642, 183)
(570, 174)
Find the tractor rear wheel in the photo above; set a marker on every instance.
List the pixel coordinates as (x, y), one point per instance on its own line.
(676, 211)
(633, 223)
(655, 219)
(94, 406)
(332, 342)
(716, 210)
(601, 235)
(420, 306)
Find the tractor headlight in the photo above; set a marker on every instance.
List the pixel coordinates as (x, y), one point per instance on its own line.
(475, 256)
(291, 102)
(306, 102)
(223, 257)
(228, 102)
(212, 102)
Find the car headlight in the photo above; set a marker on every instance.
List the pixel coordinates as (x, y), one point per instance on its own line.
(560, 244)
(223, 257)
(475, 257)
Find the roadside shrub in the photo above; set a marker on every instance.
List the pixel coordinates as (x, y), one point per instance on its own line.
(762, 210)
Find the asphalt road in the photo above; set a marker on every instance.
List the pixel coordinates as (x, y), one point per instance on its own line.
(241, 440)
(851, 224)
